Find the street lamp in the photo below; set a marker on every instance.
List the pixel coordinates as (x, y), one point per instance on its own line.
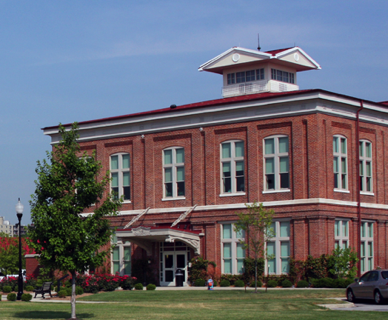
(19, 213)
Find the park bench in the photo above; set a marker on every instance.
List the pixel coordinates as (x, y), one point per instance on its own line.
(45, 288)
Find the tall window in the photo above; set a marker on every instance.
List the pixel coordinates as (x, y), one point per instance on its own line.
(121, 257)
(279, 248)
(232, 167)
(119, 168)
(233, 253)
(276, 162)
(340, 164)
(174, 172)
(365, 166)
(341, 233)
(366, 246)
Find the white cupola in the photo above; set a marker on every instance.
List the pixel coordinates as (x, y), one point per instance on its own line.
(247, 71)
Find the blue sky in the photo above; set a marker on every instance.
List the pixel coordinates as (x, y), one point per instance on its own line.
(65, 61)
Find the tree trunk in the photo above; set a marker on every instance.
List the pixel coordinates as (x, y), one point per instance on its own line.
(73, 275)
(255, 275)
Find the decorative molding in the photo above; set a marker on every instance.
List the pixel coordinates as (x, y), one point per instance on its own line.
(341, 125)
(274, 125)
(118, 144)
(141, 231)
(91, 147)
(173, 137)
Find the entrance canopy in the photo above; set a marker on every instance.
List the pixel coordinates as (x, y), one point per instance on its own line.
(144, 236)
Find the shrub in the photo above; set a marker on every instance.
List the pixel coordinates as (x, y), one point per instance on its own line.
(151, 286)
(79, 290)
(225, 283)
(272, 284)
(62, 293)
(286, 284)
(7, 289)
(29, 288)
(239, 283)
(127, 282)
(138, 286)
(302, 284)
(199, 269)
(26, 297)
(11, 296)
(259, 284)
(68, 291)
(200, 283)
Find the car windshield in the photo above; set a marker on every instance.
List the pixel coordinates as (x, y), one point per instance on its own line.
(384, 274)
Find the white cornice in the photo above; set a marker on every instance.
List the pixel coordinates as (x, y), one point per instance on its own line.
(239, 206)
(240, 111)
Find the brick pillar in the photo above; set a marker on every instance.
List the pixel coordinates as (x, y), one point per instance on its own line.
(32, 264)
(317, 236)
(299, 244)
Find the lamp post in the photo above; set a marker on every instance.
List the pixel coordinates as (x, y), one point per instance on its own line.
(19, 213)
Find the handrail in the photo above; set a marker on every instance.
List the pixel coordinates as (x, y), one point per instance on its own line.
(59, 281)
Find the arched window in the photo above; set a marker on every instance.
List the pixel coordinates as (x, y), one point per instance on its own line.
(276, 163)
(174, 172)
(120, 174)
(366, 166)
(340, 164)
(232, 167)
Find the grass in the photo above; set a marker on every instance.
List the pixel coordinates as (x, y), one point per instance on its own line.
(187, 304)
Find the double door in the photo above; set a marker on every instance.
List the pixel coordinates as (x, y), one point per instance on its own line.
(172, 261)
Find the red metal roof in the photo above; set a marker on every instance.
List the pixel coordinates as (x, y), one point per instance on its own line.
(216, 102)
(202, 104)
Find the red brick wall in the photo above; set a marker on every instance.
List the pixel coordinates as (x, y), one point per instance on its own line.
(311, 176)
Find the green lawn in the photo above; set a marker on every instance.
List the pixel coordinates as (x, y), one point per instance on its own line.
(187, 304)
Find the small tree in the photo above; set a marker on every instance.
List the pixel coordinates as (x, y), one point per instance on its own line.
(67, 184)
(256, 225)
(343, 263)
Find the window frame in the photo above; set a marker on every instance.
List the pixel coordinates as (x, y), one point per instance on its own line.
(122, 263)
(364, 160)
(367, 255)
(276, 169)
(278, 240)
(283, 76)
(240, 77)
(233, 160)
(174, 165)
(338, 175)
(120, 171)
(341, 240)
(234, 242)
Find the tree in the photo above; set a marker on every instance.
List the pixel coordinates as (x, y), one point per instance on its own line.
(67, 185)
(256, 224)
(9, 254)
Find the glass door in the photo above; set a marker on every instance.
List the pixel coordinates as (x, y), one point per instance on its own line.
(169, 266)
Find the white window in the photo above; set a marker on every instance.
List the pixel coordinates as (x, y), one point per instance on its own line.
(366, 246)
(233, 252)
(365, 166)
(174, 172)
(282, 76)
(121, 257)
(276, 163)
(119, 169)
(245, 76)
(341, 233)
(340, 164)
(232, 167)
(279, 248)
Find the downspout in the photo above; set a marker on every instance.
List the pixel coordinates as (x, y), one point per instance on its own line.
(358, 183)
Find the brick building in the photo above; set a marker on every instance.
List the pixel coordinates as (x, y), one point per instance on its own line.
(184, 171)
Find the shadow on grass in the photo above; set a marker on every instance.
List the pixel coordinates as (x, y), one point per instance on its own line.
(50, 315)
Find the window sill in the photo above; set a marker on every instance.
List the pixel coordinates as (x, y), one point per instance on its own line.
(172, 199)
(365, 193)
(341, 190)
(276, 191)
(232, 194)
(127, 201)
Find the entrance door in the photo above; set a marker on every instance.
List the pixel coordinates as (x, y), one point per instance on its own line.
(171, 262)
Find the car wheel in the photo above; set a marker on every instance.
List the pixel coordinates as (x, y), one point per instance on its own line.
(378, 297)
(350, 296)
